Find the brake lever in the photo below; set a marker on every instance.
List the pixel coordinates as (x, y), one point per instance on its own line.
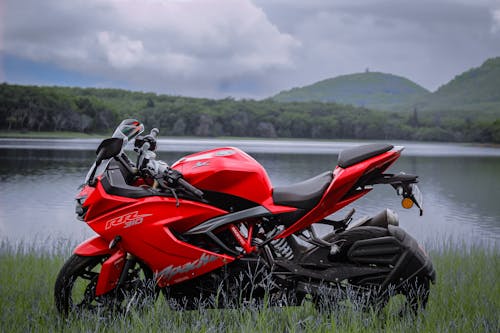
(174, 178)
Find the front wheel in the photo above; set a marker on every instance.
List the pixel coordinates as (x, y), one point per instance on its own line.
(76, 283)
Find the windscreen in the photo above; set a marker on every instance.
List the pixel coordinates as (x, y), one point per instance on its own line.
(128, 130)
(100, 170)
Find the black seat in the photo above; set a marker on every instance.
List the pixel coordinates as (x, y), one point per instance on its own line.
(304, 195)
(358, 154)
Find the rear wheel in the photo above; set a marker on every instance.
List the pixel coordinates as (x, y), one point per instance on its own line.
(416, 292)
(341, 297)
(76, 284)
(410, 298)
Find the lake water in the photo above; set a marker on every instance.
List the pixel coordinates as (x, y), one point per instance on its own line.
(460, 183)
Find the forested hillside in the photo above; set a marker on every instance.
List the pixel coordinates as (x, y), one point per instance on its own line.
(30, 108)
(477, 89)
(372, 90)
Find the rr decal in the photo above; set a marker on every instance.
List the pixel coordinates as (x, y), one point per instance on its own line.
(128, 220)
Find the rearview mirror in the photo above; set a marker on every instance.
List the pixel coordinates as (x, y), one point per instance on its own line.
(108, 148)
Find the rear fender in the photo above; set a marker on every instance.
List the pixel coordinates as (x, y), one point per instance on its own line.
(111, 268)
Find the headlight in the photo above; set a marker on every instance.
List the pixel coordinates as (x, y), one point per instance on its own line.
(79, 209)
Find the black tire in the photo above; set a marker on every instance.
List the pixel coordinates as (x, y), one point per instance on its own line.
(415, 295)
(74, 290)
(358, 298)
(363, 298)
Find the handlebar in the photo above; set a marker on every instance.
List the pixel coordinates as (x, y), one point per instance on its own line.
(148, 142)
(190, 187)
(154, 133)
(159, 169)
(174, 178)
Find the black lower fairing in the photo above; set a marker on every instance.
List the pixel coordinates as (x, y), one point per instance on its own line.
(367, 255)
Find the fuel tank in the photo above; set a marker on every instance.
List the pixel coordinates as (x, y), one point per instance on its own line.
(228, 170)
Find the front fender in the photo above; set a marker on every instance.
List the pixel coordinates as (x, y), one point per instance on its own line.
(111, 268)
(95, 246)
(110, 273)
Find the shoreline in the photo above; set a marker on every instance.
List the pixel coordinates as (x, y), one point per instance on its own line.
(261, 145)
(44, 135)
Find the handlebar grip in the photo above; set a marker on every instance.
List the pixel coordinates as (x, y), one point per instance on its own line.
(190, 187)
(154, 133)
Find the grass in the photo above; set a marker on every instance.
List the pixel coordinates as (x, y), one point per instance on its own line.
(466, 298)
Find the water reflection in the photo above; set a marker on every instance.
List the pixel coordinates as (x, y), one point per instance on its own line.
(460, 192)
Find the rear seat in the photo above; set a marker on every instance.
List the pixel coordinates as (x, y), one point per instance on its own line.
(358, 154)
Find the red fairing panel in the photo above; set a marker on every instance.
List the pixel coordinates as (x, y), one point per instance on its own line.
(185, 261)
(228, 170)
(108, 213)
(95, 246)
(99, 202)
(147, 227)
(111, 268)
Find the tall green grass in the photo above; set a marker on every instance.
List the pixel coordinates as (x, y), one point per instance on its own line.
(465, 298)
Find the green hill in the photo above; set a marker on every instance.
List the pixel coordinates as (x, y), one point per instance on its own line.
(477, 89)
(466, 109)
(371, 90)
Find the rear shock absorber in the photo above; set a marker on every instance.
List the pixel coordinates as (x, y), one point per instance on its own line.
(282, 249)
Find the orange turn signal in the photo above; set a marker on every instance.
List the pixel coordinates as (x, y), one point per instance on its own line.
(407, 203)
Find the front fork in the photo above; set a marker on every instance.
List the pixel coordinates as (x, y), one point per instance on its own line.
(114, 270)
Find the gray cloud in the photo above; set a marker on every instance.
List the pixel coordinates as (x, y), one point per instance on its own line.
(246, 48)
(426, 41)
(186, 47)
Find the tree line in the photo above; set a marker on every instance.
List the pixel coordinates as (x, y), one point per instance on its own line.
(92, 110)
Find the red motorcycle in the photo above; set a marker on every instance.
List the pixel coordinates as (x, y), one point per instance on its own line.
(211, 228)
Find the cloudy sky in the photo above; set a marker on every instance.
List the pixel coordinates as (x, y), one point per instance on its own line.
(240, 48)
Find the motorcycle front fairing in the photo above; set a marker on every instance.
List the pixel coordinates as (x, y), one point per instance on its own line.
(147, 227)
